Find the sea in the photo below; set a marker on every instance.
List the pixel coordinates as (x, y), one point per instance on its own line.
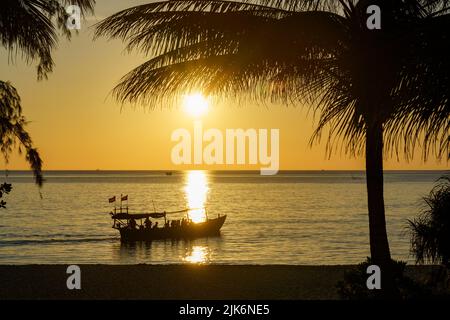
(292, 218)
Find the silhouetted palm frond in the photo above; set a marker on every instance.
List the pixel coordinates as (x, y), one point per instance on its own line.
(193, 33)
(430, 232)
(30, 27)
(12, 130)
(422, 95)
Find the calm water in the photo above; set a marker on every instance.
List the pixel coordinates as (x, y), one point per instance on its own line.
(290, 218)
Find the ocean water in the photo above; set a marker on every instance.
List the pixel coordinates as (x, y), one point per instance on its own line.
(300, 218)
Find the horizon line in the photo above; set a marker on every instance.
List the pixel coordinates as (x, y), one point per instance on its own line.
(221, 170)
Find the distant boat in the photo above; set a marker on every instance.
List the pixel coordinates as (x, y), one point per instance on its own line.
(130, 230)
(168, 173)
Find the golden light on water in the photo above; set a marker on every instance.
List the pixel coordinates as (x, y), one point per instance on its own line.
(196, 191)
(199, 254)
(195, 104)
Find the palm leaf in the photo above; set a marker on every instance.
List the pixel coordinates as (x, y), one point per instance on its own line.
(12, 130)
(29, 27)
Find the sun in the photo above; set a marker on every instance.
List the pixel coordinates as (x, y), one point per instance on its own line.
(195, 104)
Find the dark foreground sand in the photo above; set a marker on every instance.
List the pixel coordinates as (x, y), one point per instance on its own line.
(176, 282)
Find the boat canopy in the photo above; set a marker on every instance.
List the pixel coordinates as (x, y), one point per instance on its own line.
(155, 215)
(127, 216)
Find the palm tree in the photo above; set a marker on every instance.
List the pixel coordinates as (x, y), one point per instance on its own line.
(29, 27)
(377, 91)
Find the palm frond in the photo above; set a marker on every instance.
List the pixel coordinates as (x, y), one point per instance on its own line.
(306, 5)
(12, 130)
(29, 27)
(183, 47)
(430, 231)
(422, 93)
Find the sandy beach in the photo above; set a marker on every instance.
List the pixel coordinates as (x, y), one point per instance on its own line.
(177, 282)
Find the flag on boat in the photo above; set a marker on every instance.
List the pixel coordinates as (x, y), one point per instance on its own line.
(113, 199)
(124, 198)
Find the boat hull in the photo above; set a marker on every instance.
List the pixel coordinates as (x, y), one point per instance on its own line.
(208, 228)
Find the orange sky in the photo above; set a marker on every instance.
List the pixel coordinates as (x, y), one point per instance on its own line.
(76, 125)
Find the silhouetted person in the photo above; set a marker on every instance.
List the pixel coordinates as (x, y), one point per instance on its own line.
(156, 225)
(132, 224)
(148, 223)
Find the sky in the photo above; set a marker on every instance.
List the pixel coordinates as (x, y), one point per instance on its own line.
(77, 125)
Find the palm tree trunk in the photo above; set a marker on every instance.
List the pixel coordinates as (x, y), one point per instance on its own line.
(379, 245)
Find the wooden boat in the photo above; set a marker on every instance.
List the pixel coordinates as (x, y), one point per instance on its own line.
(133, 228)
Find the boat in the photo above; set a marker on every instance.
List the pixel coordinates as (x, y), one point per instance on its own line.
(138, 227)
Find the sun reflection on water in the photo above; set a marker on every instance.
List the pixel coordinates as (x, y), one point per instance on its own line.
(196, 191)
(198, 254)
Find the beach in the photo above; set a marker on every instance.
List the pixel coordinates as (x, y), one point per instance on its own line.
(173, 282)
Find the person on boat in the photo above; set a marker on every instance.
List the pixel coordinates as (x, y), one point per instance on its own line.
(132, 224)
(148, 223)
(167, 224)
(156, 225)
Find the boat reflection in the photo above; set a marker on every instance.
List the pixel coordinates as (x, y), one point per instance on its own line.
(196, 191)
(166, 252)
(197, 254)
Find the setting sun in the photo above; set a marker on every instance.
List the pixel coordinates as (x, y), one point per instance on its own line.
(195, 104)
